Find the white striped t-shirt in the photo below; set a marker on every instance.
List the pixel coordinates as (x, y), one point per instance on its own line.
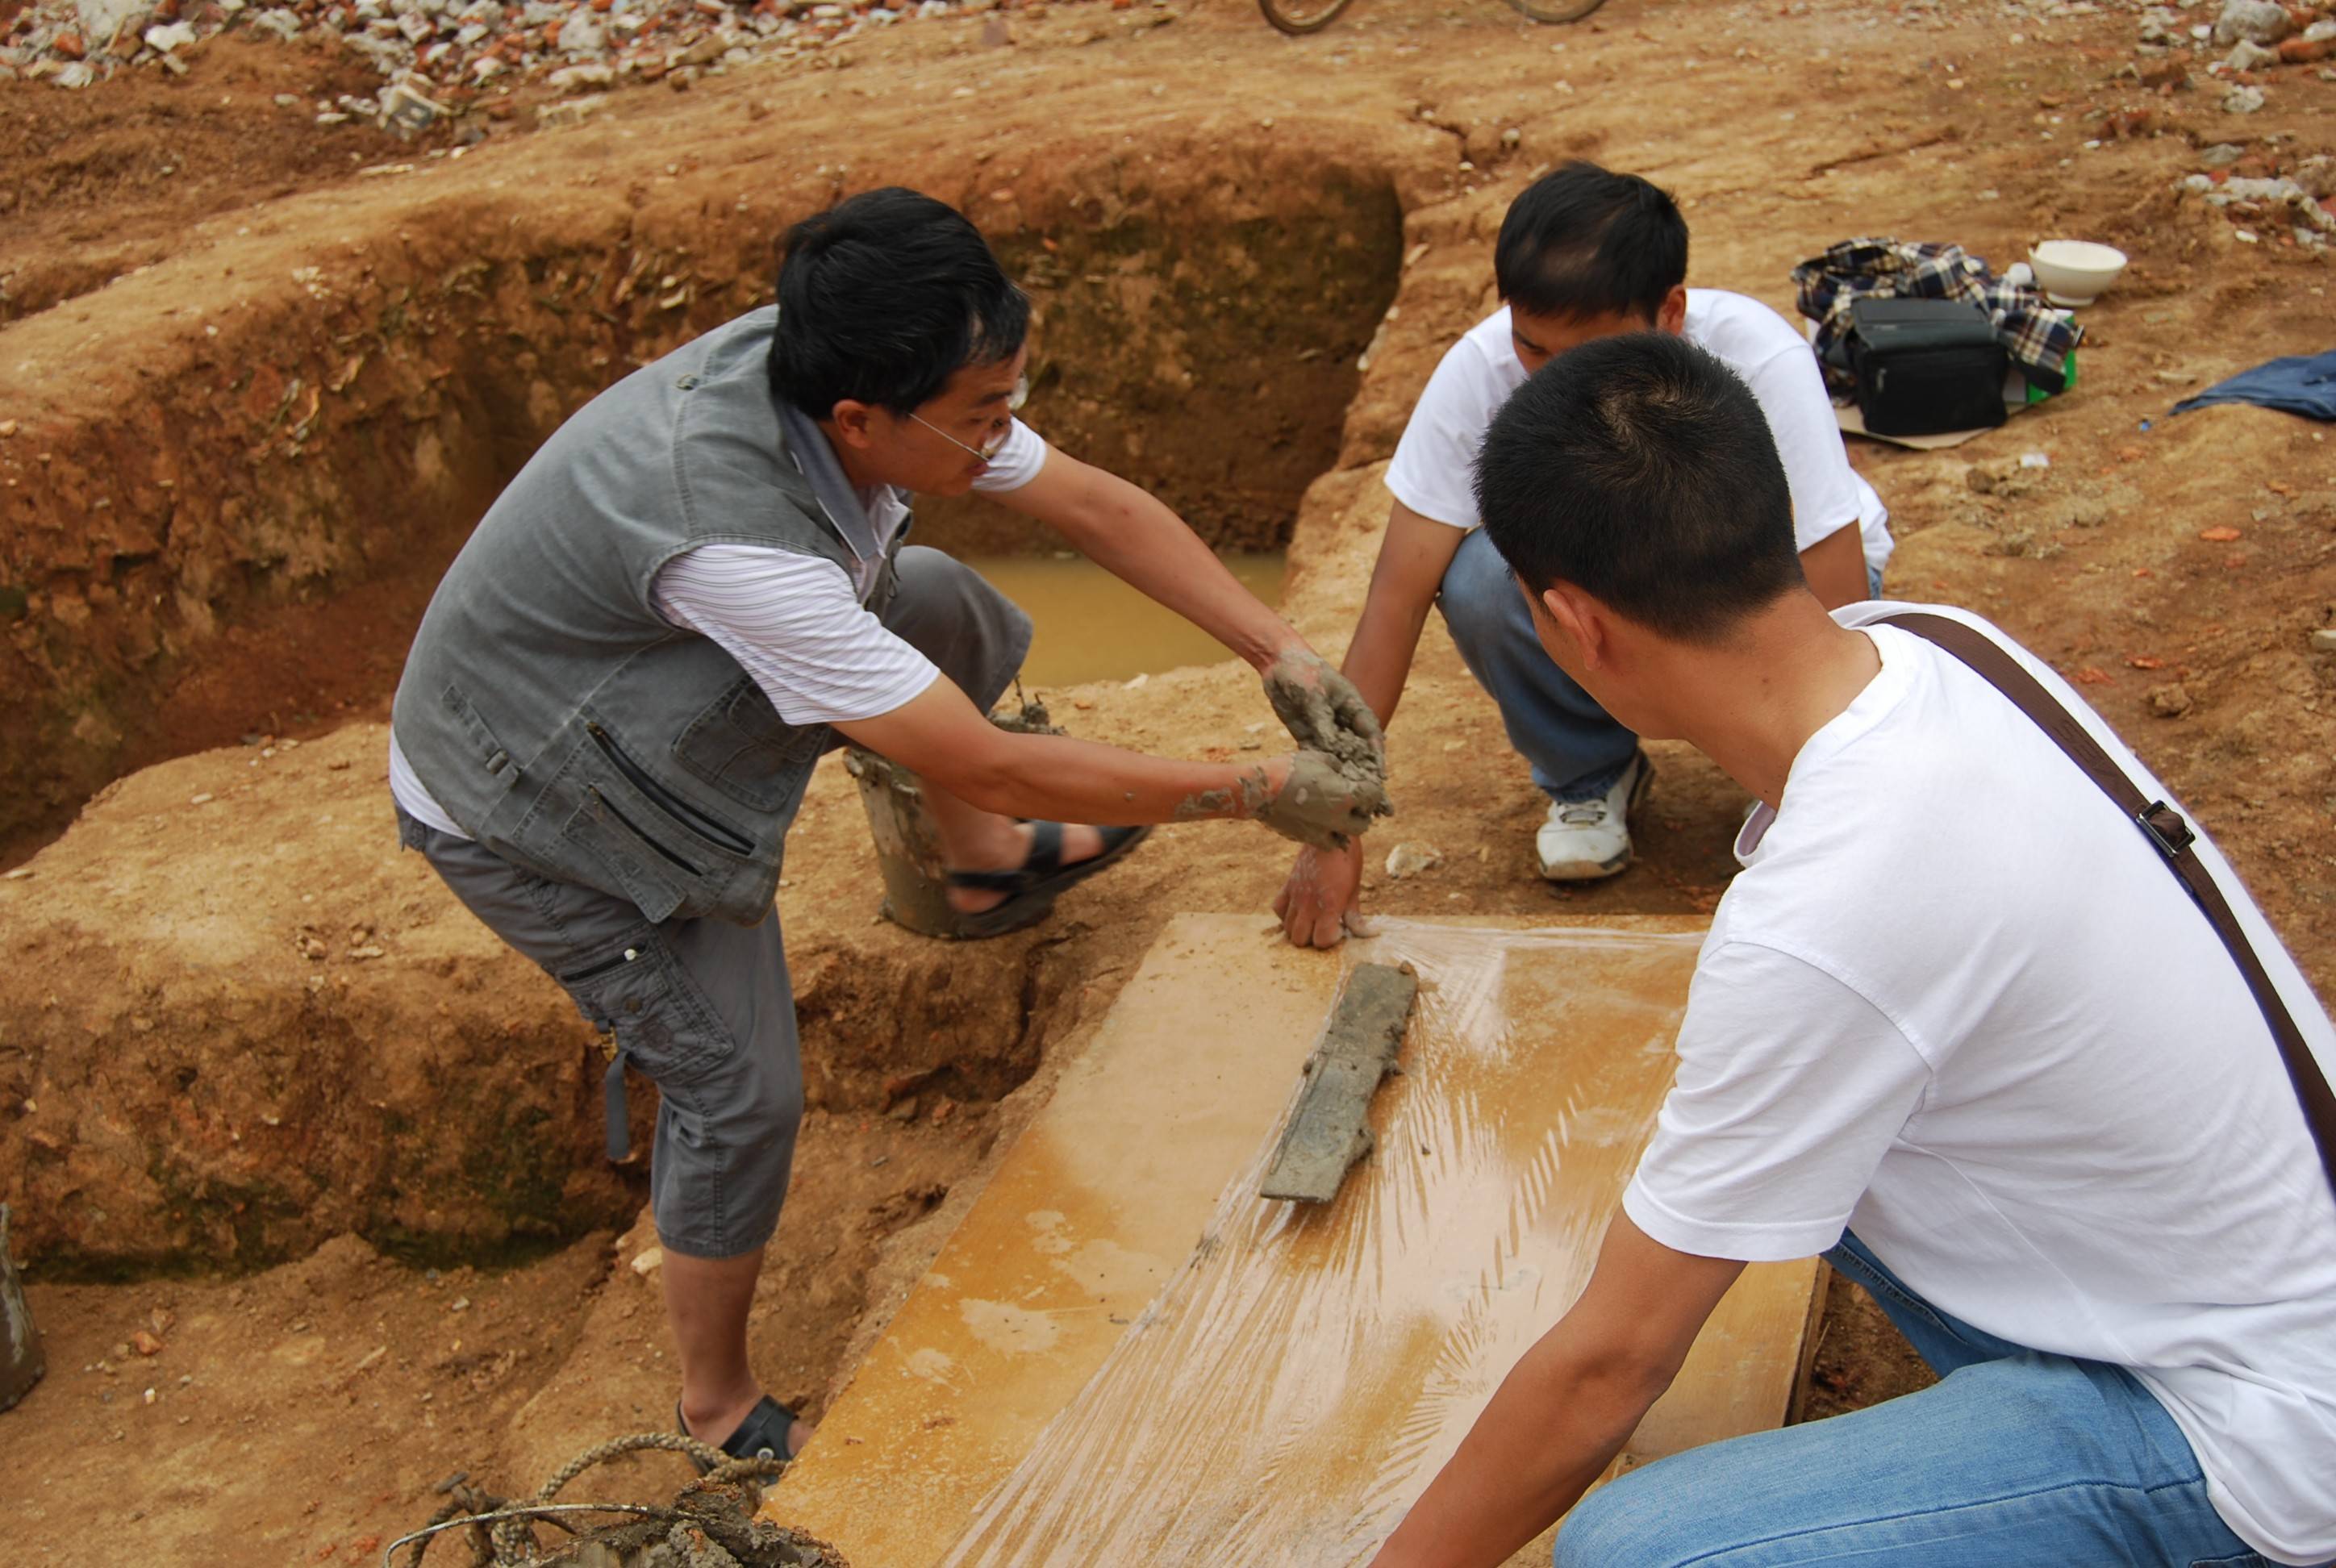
(794, 624)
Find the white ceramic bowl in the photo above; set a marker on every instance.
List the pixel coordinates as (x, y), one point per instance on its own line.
(2076, 271)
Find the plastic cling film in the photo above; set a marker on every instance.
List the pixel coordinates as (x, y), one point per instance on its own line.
(1302, 1378)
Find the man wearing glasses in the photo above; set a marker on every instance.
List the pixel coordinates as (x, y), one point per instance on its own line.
(695, 588)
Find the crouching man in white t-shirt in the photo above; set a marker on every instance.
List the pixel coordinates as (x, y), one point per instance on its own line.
(1582, 254)
(1994, 1063)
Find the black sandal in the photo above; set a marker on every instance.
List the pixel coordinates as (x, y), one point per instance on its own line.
(1032, 887)
(763, 1434)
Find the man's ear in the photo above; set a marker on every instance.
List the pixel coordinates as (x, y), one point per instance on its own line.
(852, 420)
(1582, 621)
(1671, 316)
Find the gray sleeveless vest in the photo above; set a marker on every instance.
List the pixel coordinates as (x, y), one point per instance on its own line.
(556, 717)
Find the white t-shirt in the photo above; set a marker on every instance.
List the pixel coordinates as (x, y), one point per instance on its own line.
(799, 623)
(1957, 1003)
(1434, 464)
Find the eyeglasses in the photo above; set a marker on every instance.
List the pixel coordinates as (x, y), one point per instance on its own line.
(989, 448)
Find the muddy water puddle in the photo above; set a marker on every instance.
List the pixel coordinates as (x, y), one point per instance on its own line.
(1092, 626)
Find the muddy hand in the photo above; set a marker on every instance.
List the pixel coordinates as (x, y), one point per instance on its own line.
(1319, 804)
(1319, 905)
(1323, 711)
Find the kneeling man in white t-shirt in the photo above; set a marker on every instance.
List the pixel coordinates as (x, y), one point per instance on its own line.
(1957, 1026)
(1582, 254)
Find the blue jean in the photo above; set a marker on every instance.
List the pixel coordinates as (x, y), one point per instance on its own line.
(1575, 747)
(2014, 1458)
(1576, 750)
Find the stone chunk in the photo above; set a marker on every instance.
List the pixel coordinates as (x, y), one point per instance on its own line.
(1409, 860)
(2255, 21)
(1327, 1131)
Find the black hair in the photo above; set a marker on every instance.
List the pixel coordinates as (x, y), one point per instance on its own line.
(1640, 470)
(1581, 242)
(882, 299)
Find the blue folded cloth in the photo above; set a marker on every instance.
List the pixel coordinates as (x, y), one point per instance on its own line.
(2302, 383)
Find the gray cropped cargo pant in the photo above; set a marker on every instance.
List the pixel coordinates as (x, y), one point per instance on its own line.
(703, 1008)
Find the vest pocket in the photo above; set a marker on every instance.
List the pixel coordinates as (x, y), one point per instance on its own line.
(740, 745)
(642, 867)
(682, 814)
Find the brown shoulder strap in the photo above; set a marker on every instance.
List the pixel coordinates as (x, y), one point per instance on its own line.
(2165, 830)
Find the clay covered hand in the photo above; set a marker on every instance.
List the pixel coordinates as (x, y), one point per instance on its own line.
(1324, 801)
(1324, 712)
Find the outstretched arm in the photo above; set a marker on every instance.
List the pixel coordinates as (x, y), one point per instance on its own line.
(940, 735)
(1567, 1408)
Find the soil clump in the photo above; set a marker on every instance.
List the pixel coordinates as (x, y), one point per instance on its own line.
(1327, 1131)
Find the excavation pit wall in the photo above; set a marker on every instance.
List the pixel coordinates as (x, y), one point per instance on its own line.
(235, 1021)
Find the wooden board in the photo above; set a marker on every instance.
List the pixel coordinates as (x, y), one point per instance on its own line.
(1011, 1378)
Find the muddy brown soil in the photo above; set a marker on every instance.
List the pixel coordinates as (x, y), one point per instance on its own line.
(233, 477)
(97, 184)
(307, 1414)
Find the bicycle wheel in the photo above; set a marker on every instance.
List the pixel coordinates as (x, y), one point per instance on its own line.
(1552, 10)
(1302, 17)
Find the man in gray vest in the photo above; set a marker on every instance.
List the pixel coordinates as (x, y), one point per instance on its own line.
(696, 587)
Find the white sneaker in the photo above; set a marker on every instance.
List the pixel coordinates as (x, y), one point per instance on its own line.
(1585, 840)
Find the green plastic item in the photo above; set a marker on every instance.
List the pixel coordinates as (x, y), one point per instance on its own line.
(2068, 369)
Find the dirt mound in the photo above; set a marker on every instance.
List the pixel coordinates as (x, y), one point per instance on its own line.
(318, 1411)
(237, 1017)
(99, 183)
(240, 1021)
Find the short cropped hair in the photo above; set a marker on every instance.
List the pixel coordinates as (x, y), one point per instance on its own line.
(882, 299)
(1639, 469)
(1582, 242)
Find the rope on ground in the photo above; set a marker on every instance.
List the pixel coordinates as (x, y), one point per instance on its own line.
(674, 1442)
(422, 1537)
(509, 1538)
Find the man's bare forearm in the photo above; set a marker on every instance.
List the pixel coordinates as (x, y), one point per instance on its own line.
(1378, 661)
(1413, 554)
(1567, 1407)
(1084, 781)
(1549, 1432)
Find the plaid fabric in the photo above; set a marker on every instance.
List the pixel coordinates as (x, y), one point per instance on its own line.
(2039, 338)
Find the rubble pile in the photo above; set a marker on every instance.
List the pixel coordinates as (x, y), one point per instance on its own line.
(2239, 52)
(2259, 187)
(2242, 48)
(433, 52)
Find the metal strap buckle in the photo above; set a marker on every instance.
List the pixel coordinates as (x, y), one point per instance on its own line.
(2165, 827)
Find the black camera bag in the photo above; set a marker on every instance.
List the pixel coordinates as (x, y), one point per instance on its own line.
(1926, 366)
